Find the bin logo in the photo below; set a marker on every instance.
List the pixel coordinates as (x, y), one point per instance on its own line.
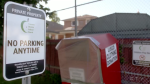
(142, 57)
(142, 48)
(27, 27)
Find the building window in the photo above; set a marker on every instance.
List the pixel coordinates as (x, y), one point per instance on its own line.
(81, 22)
(73, 23)
(87, 21)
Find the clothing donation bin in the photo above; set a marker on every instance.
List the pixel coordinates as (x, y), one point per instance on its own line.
(90, 59)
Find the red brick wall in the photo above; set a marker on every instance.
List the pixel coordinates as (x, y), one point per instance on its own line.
(68, 35)
(60, 36)
(67, 24)
(52, 36)
(80, 22)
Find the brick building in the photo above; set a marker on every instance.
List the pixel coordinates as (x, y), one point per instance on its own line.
(57, 31)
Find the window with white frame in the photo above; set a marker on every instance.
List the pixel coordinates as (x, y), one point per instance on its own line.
(73, 23)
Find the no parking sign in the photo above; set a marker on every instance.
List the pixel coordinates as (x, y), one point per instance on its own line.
(24, 41)
(141, 53)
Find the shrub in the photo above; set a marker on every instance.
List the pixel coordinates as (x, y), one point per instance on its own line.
(47, 37)
(120, 53)
(46, 78)
(1, 59)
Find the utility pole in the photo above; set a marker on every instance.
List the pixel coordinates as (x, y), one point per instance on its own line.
(75, 19)
(76, 12)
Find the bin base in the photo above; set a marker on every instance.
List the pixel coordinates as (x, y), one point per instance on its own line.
(65, 83)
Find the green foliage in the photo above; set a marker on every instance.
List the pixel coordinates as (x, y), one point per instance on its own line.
(120, 50)
(2, 80)
(120, 53)
(47, 37)
(121, 60)
(1, 60)
(46, 78)
(35, 3)
(54, 17)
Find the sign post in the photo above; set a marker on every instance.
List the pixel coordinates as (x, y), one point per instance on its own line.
(141, 53)
(24, 41)
(26, 80)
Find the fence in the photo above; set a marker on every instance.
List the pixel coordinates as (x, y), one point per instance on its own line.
(130, 74)
(52, 63)
(126, 27)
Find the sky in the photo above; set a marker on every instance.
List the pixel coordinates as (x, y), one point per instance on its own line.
(99, 9)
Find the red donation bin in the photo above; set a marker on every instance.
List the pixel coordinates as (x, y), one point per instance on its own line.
(91, 59)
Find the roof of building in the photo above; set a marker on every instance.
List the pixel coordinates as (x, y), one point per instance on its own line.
(72, 28)
(120, 25)
(53, 27)
(81, 17)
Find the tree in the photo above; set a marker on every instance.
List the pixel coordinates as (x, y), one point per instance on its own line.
(53, 17)
(35, 3)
